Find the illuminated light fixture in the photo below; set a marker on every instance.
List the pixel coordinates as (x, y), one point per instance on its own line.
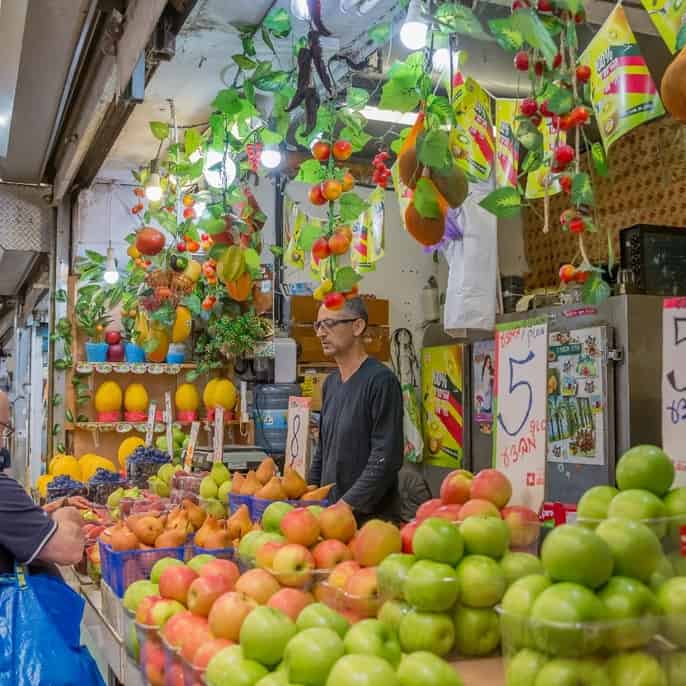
(153, 187)
(441, 57)
(3, 120)
(413, 32)
(213, 172)
(390, 116)
(270, 157)
(111, 275)
(300, 10)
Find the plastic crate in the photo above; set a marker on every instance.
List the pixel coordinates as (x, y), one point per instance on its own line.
(220, 553)
(121, 569)
(192, 676)
(308, 503)
(236, 500)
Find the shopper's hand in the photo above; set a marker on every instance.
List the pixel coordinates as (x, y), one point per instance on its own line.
(68, 514)
(79, 502)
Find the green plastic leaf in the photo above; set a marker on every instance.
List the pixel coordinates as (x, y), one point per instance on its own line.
(272, 82)
(533, 31)
(595, 290)
(244, 62)
(61, 296)
(506, 35)
(532, 162)
(192, 140)
(582, 190)
(345, 279)
(351, 206)
(249, 90)
(681, 37)
(227, 101)
(276, 250)
(268, 40)
(252, 258)
(398, 142)
(309, 234)
(599, 159)
(248, 44)
(380, 33)
(69, 415)
(212, 225)
(61, 365)
(399, 98)
(311, 171)
(572, 6)
(270, 137)
(193, 303)
(438, 106)
(159, 129)
(278, 21)
(560, 100)
(503, 202)
(426, 199)
(357, 138)
(458, 18)
(552, 24)
(356, 98)
(433, 150)
(528, 135)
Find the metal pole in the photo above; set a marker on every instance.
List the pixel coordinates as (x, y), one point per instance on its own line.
(280, 181)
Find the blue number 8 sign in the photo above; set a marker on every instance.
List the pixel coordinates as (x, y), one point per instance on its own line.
(525, 396)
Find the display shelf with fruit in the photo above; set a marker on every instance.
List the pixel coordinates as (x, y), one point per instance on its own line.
(131, 368)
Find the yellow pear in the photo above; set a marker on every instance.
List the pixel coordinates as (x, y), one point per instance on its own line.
(319, 493)
(251, 484)
(196, 514)
(293, 484)
(171, 538)
(272, 490)
(266, 470)
(238, 524)
(237, 482)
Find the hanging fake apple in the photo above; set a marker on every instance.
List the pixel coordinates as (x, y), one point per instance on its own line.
(149, 241)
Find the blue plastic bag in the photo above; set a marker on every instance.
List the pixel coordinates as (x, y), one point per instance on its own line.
(40, 622)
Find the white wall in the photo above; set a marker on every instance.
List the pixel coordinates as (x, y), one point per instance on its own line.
(511, 255)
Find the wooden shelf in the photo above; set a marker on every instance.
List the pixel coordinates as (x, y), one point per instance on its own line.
(140, 427)
(131, 368)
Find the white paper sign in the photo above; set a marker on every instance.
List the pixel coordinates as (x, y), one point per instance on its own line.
(218, 434)
(150, 426)
(298, 436)
(674, 384)
(169, 419)
(190, 448)
(519, 448)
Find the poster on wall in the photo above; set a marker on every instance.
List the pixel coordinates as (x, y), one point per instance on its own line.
(519, 446)
(622, 91)
(577, 404)
(674, 384)
(668, 16)
(483, 380)
(442, 403)
(541, 181)
(506, 146)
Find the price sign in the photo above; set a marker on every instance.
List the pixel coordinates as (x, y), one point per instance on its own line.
(298, 436)
(218, 435)
(169, 419)
(150, 426)
(674, 384)
(519, 447)
(190, 448)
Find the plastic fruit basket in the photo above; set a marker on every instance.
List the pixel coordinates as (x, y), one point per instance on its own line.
(173, 667)
(151, 654)
(121, 569)
(220, 553)
(236, 500)
(192, 676)
(130, 635)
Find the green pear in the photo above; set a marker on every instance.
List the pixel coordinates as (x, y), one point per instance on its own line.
(223, 492)
(166, 473)
(115, 497)
(220, 473)
(214, 508)
(161, 443)
(208, 488)
(159, 486)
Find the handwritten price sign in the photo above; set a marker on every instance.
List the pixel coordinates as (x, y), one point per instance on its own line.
(674, 384)
(519, 448)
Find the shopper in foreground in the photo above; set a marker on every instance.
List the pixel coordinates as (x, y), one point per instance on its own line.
(361, 431)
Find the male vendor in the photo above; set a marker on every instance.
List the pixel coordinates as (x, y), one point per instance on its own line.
(361, 431)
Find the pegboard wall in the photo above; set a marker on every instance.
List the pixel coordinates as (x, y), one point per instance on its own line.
(646, 185)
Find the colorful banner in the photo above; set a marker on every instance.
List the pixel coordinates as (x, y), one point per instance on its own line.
(442, 404)
(519, 447)
(483, 380)
(368, 235)
(674, 385)
(536, 180)
(668, 16)
(471, 141)
(506, 145)
(622, 91)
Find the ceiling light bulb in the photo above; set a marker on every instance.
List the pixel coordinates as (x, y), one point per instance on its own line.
(111, 275)
(300, 10)
(213, 171)
(153, 189)
(270, 158)
(413, 32)
(441, 60)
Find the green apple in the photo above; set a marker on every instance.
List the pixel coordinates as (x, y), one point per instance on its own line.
(266, 622)
(524, 667)
(253, 540)
(566, 672)
(272, 516)
(166, 473)
(594, 504)
(663, 571)
(229, 667)
(671, 598)
(635, 549)
(208, 488)
(517, 565)
(645, 467)
(159, 487)
(372, 637)
(477, 631)
(635, 669)
(438, 540)
(273, 679)
(425, 669)
(311, 654)
(430, 631)
(316, 510)
(197, 562)
(640, 506)
(678, 562)
(318, 615)
(431, 586)
(516, 608)
(564, 618)
(362, 670)
(576, 554)
(133, 648)
(481, 581)
(674, 665)
(392, 612)
(675, 502)
(223, 492)
(484, 535)
(220, 473)
(632, 610)
(142, 589)
(392, 573)
(178, 436)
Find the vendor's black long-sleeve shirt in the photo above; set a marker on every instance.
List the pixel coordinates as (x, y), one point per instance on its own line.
(361, 439)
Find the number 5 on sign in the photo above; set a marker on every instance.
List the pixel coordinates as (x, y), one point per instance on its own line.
(519, 446)
(674, 384)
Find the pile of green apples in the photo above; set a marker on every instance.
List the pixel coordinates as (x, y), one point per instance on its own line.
(161, 483)
(116, 497)
(180, 441)
(607, 609)
(215, 489)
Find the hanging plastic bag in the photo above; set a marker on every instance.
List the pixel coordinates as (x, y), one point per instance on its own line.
(40, 624)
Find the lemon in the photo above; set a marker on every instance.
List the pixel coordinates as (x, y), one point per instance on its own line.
(141, 327)
(108, 397)
(182, 325)
(126, 447)
(68, 466)
(136, 398)
(42, 484)
(225, 395)
(187, 398)
(208, 393)
(96, 462)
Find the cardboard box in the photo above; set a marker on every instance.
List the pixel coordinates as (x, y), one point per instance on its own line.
(313, 387)
(304, 310)
(377, 340)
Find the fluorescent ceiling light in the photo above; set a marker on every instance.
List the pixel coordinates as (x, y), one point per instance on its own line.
(390, 116)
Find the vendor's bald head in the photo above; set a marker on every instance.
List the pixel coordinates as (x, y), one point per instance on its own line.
(4, 408)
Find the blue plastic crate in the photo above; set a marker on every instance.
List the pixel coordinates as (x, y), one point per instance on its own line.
(121, 569)
(220, 553)
(236, 500)
(307, 503)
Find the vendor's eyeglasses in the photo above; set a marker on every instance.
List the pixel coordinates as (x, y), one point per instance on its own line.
(328, 324)
(6, 430)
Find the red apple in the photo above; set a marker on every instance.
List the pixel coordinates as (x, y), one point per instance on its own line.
(316, 196)
(300, 526)
(116, 353)
(113, 337)
(163, 610)
(328, 554)
(143, 609)
(227, 615)
(175, 582)
(342, 150)
(290, 601)
(428, 508)
(478, 507)
(264, 557)
(321, 151)
(492, 485)
(208, 650)
(224, 568)
(524, 525)
(456, 487)
(330, 592)
(362, 593)
(198, 635)
(338, 521)
(153, 661)
(293, 565)
(407, 533)
(257, 584)
(204, 591)
(449, 512)
(176, 629)
(375, 541)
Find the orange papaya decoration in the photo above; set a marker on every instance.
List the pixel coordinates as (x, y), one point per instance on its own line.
(409, 166)
(427, 230)
(241, 288)
(672, 87)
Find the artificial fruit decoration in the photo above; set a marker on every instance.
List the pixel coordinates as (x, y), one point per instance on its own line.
(342, 150)
(316, 196)
(149, 241)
